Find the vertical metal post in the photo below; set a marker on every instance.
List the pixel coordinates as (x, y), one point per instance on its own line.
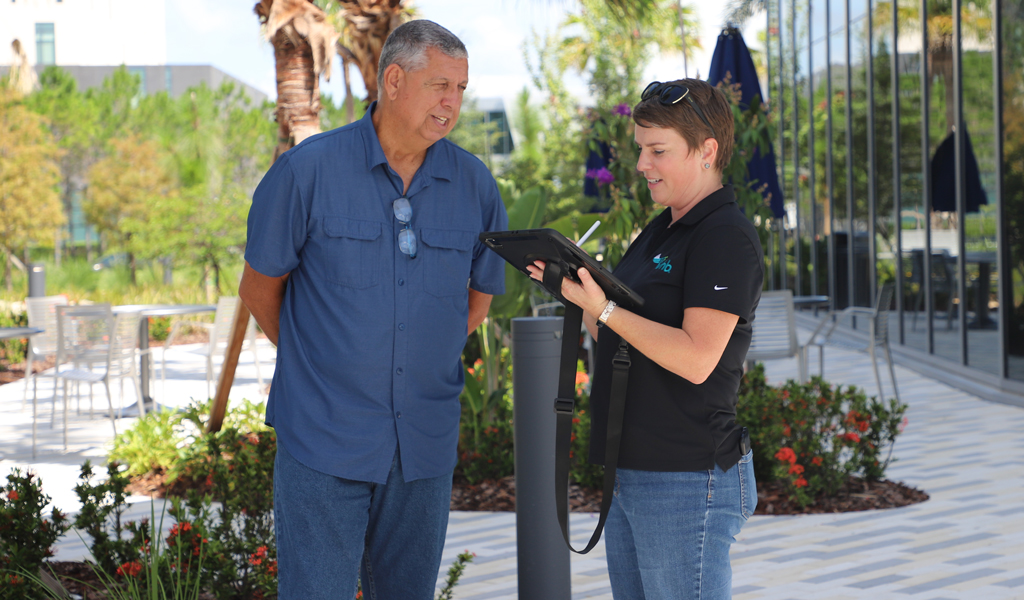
(543, 557)
(36, 280)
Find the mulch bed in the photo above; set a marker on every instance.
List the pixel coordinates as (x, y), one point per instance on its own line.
(500, 496)
(856, 495)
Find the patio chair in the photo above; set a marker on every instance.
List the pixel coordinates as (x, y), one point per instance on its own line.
(42, 314)
(84, 335)
(774, 331)
(878, 334)
(219, 332)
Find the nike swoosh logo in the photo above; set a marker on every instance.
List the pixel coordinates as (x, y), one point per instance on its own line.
(720, 288)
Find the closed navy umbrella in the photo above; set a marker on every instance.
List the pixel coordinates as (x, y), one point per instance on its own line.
(732, 56)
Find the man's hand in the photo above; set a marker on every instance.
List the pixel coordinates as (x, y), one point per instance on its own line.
(263, 296)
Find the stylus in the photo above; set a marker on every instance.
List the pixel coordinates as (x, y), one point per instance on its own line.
(587, 234)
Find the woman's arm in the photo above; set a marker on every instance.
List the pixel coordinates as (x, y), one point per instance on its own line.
(692, 351)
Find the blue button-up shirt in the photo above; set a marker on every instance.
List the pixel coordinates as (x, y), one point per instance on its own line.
(368, 357)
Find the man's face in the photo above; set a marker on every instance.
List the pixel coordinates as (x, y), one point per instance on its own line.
(429, 99)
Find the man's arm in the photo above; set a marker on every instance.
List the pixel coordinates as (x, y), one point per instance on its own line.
(263, 296)
(479, 304)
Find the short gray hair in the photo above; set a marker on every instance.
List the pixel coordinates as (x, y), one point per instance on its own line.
(407, 46)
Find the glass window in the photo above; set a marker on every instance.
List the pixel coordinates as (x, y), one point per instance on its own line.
(981, 203)
(913, 211)
(1012, 78)
(46, 53)
(139, 72)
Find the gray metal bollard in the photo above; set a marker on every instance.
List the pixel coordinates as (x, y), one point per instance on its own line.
(542, 553)
(36, 280)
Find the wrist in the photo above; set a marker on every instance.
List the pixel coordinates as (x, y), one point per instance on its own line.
(602, 318)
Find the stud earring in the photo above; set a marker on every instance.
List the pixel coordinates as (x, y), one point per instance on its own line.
(707, 165)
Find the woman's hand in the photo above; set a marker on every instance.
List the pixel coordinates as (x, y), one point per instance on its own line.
(587, 294)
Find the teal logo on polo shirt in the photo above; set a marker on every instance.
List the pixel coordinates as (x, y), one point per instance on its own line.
(663, 264)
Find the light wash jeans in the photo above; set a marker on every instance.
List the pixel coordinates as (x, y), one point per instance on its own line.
(329, 530)
(668, 534)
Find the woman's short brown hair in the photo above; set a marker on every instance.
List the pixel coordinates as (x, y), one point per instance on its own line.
(684, 119)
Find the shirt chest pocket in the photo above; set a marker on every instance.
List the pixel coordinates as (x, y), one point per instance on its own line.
(353, 251)
(448, 258)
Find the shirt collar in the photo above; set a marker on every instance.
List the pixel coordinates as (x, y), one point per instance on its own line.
(436, 164)
(708, 205)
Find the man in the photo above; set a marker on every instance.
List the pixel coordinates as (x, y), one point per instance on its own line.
(363, 266)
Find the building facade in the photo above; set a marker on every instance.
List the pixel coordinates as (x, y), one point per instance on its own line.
(87, 32)
(901, 153)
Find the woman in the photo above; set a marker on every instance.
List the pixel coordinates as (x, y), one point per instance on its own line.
(685, 481)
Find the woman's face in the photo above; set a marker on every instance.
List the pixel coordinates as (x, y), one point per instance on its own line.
(672, 170)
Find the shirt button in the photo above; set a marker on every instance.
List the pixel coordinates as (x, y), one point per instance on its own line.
(401, 282)
(399, 370)
(399, 415)
(401, 326)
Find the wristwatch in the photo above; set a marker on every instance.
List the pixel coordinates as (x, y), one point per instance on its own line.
(607, 312)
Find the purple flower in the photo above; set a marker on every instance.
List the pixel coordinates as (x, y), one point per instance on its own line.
(622, 109)
(601, 176)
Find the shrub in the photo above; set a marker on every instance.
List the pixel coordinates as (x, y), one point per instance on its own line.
(113, 543)
(161, 440)
(12, 350)
(27, 535)
(486, 440)
(159, 328)
(813, 437)
(237, 469)
(152, 444)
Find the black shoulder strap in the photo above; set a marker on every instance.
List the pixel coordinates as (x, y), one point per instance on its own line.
(564, 409)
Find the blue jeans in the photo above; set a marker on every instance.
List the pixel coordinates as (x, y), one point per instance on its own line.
(329, 530)
(668, 534)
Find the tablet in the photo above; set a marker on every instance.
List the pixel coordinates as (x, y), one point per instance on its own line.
(520, 248)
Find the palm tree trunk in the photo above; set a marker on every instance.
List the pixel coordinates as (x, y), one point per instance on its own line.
(298, 92)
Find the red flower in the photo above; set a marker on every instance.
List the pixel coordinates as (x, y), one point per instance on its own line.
(852, 437)
(863, 426)
(796, 469)
(816, 461)
(582, 377)
(786, 455)
(12, 495)
(800, 482)
(787, 431)
(130, 569)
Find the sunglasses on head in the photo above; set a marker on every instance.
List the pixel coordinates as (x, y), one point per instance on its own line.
(672, 93)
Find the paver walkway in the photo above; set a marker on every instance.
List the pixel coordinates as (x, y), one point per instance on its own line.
(967, 542)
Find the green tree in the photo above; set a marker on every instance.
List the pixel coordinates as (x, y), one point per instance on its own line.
(221, 149)
(123, 188)
(73, 123)
(30, 209)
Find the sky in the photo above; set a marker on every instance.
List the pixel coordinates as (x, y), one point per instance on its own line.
(226, 34)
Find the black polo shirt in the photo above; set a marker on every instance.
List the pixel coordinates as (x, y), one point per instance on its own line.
(710, 258)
